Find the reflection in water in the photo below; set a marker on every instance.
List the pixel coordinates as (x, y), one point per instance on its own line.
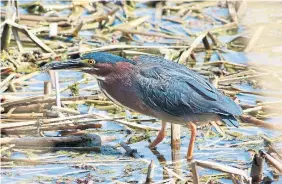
(176, 164)
(162, 162)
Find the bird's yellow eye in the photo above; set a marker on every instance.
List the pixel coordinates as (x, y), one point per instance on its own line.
(91, 61)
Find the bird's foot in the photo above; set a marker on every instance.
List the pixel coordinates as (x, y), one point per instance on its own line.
(151, 146)
(189, 158)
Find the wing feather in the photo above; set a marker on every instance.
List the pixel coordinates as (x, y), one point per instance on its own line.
(180, 91)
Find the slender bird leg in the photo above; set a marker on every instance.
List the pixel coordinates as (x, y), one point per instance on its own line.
(160, 136)
(193, 129)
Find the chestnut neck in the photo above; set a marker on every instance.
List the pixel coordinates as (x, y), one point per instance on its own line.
(109, 70)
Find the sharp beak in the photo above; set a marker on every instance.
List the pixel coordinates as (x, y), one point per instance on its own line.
(66, 65)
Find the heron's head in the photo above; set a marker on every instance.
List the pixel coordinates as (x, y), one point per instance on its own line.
(95, 63)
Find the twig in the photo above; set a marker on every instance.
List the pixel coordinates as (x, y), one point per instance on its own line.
(195, 175)
(246, 143)
(242, 9)
(125, 30)
(253, 109)
(260, 123)
(65, 110)
(25, 77)
(272, 161)
(224, 27)
(43, 99)
(175, 136)
(47, 88)
(150, 173)
(7, 147)
(254, 39)
(232, 176)
(57, 86)
(52, 127)
(232, 11)
(206, 43)
(52, 141)
(257, 168)
(53, 30)
(158, 14)
(17, 38)
(226, 63)
(100, 18)
(184, 56)
(31, 36)
(221, 168)
(7, 80)
(40, 18)
(271, 148)
(3, 159)
(129, 151)
(174, 174)
(23, 115)
(57, 148)
(132, 24)
(218, 129)
(7, 30)
(45, 121)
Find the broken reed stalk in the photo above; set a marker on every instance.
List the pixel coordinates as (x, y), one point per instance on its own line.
(52, 141)
(7, 30)
(43, 99)
(25, 77)
(45, 121)
(217, 167)
(124, 30)
(232, 11)
(206, 43)
(260, 123)
(60, 148)
(170, 171)
(195, 175)
(7, 80)
(34, 108)
(6, 148)
(275, 163)
(27, 116)
(47, 88)
(150, 173)
(27, 32)
(257, 168)
(18, 131)
(184, 56)
(175, 136)
(100, 18)
(57, 87)
(30, 161)
(65, 110)
(129, 150)
(272, 149)
(254, 39)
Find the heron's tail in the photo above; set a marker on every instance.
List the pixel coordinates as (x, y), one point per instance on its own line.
(230, 120)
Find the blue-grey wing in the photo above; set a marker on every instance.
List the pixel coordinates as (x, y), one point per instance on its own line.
(183, 70)
(173, 91)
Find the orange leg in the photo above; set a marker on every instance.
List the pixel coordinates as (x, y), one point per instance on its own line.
(193, 129)
(160, 136)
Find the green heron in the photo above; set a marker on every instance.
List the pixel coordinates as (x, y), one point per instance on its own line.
(159, 88)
